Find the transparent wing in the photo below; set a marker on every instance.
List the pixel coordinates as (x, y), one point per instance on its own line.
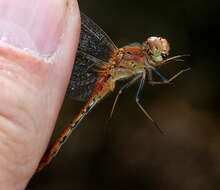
(84, 76)
(94, 41)
(134, 44)
(94, 46)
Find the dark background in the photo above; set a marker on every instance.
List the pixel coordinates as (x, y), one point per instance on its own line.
(134, 155)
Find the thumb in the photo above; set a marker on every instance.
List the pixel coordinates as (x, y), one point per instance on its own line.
(38, 41)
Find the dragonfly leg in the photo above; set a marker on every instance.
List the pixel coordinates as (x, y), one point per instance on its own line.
(142, 108)
(178, 74)
(152, 82)
(159, 74)
(169, 81)
(120, 92)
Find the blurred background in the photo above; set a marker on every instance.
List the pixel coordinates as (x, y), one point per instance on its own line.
(134, 155)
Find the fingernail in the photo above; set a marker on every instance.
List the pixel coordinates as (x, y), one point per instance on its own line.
(32, 25)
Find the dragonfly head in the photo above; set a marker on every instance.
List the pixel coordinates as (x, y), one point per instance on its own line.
(157, 49)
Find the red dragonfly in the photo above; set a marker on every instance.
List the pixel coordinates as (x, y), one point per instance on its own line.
(99, 64)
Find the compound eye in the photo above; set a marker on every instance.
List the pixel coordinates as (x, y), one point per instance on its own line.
(164, 56)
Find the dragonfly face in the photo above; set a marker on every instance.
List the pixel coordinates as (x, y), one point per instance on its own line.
(157, 49)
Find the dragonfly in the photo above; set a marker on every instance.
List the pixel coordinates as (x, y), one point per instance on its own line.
(99, 64)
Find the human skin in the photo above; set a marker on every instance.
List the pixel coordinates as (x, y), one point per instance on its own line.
(38, 42)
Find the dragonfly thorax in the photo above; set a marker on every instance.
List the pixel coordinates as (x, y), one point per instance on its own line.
(128, 61)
